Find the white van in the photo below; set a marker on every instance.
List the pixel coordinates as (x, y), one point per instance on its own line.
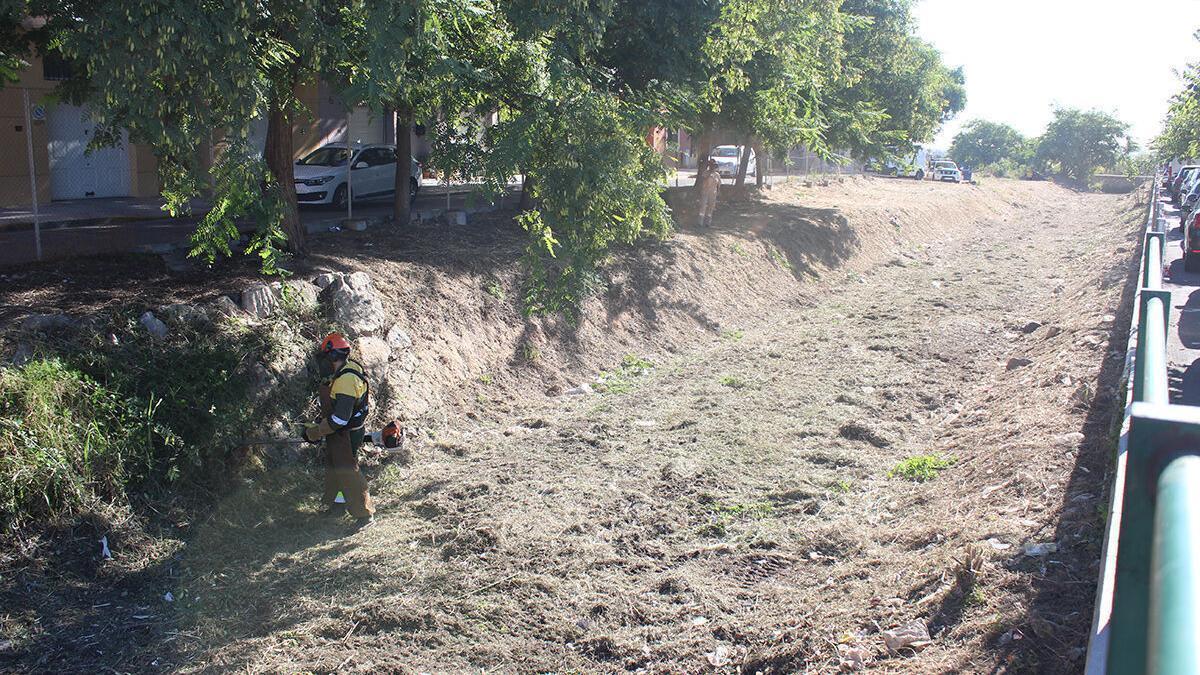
(916, 166)
(729, 160)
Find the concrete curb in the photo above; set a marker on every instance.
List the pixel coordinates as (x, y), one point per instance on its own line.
(52, 222)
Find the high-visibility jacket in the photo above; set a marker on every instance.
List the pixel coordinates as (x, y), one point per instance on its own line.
(351, 394)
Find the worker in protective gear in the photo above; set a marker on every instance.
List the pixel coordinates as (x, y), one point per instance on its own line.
(345, 402)
(709, 181)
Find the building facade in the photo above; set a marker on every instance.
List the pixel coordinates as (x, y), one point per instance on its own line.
(59, 133)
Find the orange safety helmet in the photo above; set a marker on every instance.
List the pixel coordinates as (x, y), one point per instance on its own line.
(335, 344)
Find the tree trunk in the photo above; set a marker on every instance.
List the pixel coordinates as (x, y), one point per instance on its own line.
(526, 194)
(758, 168)
(744, 163)
(278, 155)
(402, 203)
(703, 142)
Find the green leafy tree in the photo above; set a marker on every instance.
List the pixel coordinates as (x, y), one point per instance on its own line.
(409, 58)
(1180, 137)
(16, 42)
(766, 71)
(1076, 142)
(981, 144)
(573, 88)
(593, 181)
(175, 74)
(897, 76)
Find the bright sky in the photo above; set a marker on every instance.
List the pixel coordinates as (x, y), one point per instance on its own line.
(1023, 56)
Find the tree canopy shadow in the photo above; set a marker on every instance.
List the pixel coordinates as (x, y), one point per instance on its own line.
(246, 570)
(1064, 592)
(797, 238)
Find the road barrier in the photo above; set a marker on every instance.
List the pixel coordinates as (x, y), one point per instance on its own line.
(1147, 615)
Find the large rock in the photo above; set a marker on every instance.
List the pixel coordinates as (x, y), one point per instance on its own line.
(46, 322)
(183, 313)
(301, 294)
(399, 338)
(324, 279)
(223, 306)
(260, 301)
(406, 362)
(354, 304)
(153, 326)
(374, 354)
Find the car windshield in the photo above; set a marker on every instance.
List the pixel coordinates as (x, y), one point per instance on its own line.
(325, 157)
(725, 151)
(946, 165)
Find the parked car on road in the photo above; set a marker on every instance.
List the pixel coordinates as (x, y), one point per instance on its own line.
(323, 177)
(880, 167)
(945, 170)
(1185, 189)
(1191, 243)
(1177, 184)
(1189, 195)
(729, 158)
(915, 166)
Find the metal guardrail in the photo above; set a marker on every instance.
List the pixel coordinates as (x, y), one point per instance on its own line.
(1147, 615)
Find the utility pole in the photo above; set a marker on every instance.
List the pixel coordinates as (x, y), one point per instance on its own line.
(349, 171)
(37, 221)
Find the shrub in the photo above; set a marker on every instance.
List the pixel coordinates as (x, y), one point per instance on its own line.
(732, 381)
(921, 468)
(1007, 168)
(621, 381)
(100, 418)
(196, 382)
(66, 442)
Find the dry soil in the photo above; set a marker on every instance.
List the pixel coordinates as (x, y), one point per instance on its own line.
(727, 497)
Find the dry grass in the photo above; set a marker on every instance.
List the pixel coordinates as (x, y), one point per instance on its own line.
(682, 524)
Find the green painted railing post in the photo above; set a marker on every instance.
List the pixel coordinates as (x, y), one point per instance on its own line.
(1159, 435)
(1174, 634)
(1150, 362)
(1152, 260)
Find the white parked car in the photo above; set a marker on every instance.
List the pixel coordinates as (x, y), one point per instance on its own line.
(729, 157)
(946, 170)
(321, 176)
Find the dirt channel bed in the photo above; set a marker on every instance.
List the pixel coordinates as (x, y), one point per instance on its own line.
(727, 503)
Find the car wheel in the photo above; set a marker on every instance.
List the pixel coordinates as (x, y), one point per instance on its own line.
(413, 186)
(1191, 262)
(339, 197)
(920, 174)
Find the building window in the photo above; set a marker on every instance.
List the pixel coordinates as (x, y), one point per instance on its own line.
(55, 67)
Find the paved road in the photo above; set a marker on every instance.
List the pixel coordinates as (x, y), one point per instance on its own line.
(18, 246)
(1183, 335)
